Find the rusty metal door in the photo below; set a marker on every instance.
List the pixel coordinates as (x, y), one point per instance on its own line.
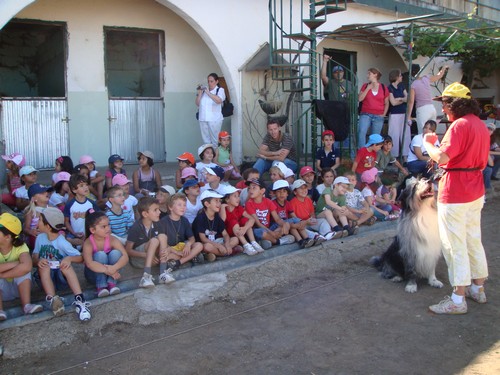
(36, 128)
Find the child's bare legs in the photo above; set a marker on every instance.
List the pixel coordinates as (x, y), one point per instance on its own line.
(24, 289)
(328, 215)
(47, 283)
(295, 233)
(152, 247)
(196, 248)
(364, 217)
(342, 218)
(216, 248)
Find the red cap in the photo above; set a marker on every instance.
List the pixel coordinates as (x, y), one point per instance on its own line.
(186, 156)
(305, 170)
(327, 132)
(224, 134)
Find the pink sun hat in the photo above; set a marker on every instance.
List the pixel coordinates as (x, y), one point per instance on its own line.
(16, 158)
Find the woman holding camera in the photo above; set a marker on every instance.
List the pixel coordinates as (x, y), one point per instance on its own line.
(209, 100)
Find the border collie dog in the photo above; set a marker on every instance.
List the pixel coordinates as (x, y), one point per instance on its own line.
(416, 249)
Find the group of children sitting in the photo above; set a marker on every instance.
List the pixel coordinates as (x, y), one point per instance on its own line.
(108, 221)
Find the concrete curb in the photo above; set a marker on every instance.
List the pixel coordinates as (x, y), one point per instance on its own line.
(234, 278)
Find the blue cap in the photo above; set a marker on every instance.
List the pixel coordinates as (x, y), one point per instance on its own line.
(217, 171)
(114, 157)
(337, 68)
(37, 189)
(373, 139)
(189, 183)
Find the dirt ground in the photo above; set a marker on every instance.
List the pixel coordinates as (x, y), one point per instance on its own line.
(342, 319)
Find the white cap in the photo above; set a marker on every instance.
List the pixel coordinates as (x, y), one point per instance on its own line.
(209, 193)
(282, 167)
(289, 173)
(280, 184)
(229, 189)
(298, 183)
(169, 189)
(341, 180)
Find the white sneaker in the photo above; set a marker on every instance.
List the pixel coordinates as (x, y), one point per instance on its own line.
(31, 308)
(146, 281)
(287, 239)
(114, 290)
(166, 277)
(257, 247)
(479, 297)
(447, 306)
(57, 305)
(102, 292)
(248, 249)
(319, 239)
(82, 309)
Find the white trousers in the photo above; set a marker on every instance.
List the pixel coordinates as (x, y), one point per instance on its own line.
(425, 113)
(396, 127)
(460, 231)
(210, 131)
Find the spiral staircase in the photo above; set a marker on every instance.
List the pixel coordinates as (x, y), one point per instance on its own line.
(295, 62)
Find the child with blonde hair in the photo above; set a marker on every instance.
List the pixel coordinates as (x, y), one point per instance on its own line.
(39, 199)
(356, 202)
(224, 157)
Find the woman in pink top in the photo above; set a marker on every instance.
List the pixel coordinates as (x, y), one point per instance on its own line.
(374, 99)
(420, 94)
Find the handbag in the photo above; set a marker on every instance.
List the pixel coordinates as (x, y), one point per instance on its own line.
(227, 107)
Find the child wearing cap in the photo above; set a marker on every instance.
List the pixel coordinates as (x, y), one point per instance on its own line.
(238, 222)
(224, 157)
(130, 202)
(15, 266)
(332, 206)
(53, 256)
(276, 173)
(39, 199)
(182, 246)
(307, 174)
(366, 157)
(327, 156)
(163, 196)
(206, 153)
(369, 186)
(189, 173)
(248, 174)
(60, 196)
(145, 179)
(76, 209)
(62, 164)
(303, 208)
(209, 228)
(356, 202)
(115, 166)
(28, 177)
(213, 177)
(120, 218)
(186, 160)
(285, 212)
(13, 162)
(191, 189)
(96, 179)
(263, 209)
(147, 242)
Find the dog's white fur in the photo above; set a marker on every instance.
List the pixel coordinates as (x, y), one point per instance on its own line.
(417, 243)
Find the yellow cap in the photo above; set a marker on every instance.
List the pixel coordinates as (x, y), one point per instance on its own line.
(12, 223)
(455, 90)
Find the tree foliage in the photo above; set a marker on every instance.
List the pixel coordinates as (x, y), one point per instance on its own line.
(476, 48)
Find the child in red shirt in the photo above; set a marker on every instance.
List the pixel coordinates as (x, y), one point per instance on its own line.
(238, 222)
(262, 209)
(367, 156)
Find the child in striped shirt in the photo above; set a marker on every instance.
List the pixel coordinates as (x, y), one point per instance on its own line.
(120, 219)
